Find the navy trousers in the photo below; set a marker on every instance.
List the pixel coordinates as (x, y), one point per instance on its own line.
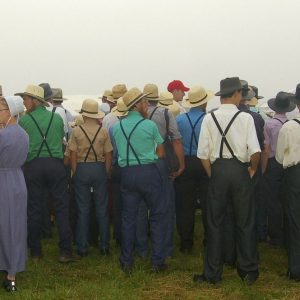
(143, 183)
(50, 173)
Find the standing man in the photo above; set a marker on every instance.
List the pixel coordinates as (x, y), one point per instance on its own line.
(227, 141)
(44, 169)
(288, 155)
(193, 181)
(178, 89)
(139, 146)
(272, 170)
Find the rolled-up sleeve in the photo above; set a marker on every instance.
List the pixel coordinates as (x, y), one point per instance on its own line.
(252, 141)
(281, 145)
(72, 144)
(203, 151)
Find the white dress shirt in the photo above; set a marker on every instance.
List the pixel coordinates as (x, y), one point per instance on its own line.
(288, 144)
(241, 136)
(60, 111)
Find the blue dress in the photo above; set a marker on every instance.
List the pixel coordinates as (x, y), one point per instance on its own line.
(14, 143)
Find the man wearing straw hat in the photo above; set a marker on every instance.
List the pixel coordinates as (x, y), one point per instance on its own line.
(91, 156)
(139, 147)
(227, 141)
(117, 91)
(44, 169)
(288, 155)
(193, 181)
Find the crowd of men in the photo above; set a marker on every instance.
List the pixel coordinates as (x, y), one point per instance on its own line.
(155, 157)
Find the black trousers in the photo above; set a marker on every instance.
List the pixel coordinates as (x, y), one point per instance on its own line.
(50, 173)
(273, 193)
(292, 212)
(230, 177)
(189, 186)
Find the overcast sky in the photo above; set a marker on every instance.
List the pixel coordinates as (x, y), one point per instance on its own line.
(86, 46)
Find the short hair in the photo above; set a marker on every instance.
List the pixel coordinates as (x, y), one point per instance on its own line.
(229, 95)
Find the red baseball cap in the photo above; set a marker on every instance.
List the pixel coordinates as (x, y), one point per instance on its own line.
(177, 85)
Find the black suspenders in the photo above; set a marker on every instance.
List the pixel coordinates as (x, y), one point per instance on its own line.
(91, 143)
(224, 140)
(154, 110)
(128, 141)
(296, 120)
(193, 126)
(44, 136)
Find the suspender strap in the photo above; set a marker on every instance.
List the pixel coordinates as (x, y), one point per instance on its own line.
(128, 141)
(54, 109)
(279, 121)
(91, 143)
(296, 120)
(224, 140)
(193, 126)
(44, 136)
(154, 110)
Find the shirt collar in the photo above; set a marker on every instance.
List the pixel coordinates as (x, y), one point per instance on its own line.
(134, 114)
(228, 107)
(280, 116)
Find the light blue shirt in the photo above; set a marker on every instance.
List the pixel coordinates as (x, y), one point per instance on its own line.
(190, 144)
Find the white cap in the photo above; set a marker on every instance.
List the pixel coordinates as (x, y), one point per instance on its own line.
(15, 105)
(104, 107)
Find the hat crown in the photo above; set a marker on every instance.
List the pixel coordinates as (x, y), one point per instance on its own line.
(107, 93)
(89, 106)
(130, 96)
(48, 93)
(57, 94)
(297, 94)
(177, 85)
(197, 94)
(282, 100)
(121, 107)
(119, 90)
(229, 85)
(151, 89)
(166, 98)
(15, 105)
(35, 90)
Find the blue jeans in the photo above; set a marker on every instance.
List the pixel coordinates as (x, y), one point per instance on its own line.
(143, 183)
(87, 175)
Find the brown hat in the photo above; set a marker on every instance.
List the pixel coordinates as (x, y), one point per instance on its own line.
(133, 96)
(152, 91)
(90, 109)
(35, 92)
(58, 94)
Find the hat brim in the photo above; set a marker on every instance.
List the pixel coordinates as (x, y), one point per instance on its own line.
(187, 103)
(271, 104)
(60, 99)
(250, 94)
(35, 97)
(153, 98)
(227, 91)
(111, 99)
(117, 113)
(139, 98)
(98, 115)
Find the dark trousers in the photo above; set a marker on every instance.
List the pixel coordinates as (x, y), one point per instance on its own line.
(117, 202)
(191, 184)
(292, 212)
(50, 173)
(230, 177)
(273, 190)
(143, 183)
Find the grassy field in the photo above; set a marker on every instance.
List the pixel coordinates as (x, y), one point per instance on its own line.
(96, 277)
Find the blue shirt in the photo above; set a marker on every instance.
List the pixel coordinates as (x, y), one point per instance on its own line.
(144, 140)
(190, 144)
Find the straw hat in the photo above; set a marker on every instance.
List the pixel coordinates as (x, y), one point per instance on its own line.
(152, 91)
(120, 110)
(133, 96)
(15, 105)
(58, 94)
(117, 91)
(90, 109)
(165, 99)
(107, 93)
(35, 92)
(197, 96)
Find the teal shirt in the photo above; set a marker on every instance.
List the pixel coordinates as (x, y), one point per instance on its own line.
(144, 140)
(54, 138)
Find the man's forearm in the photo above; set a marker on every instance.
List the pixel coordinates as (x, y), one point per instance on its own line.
(108, 162)
(207, 166)
(178, 149)
(254, 161)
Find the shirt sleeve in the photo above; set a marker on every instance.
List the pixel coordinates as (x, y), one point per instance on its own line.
(252, 141)
(173, 127)
(267, 134)
(157, 137)
(72, 145)
(281, 145)
(203, 151)
(107, 144)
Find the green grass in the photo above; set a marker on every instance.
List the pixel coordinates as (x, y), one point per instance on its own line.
(96, 277)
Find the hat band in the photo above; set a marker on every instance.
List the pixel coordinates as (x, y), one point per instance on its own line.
(88, 112)
(164, 104)
(199, 100)
(121, 111)
(132, 101)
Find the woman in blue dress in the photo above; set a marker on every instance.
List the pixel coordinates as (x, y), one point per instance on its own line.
(13, 194)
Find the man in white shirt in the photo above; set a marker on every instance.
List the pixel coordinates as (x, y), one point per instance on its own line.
(288, 155)
(227, 144)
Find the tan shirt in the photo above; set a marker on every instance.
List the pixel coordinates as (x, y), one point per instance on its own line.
(80, 144)
(288, 144)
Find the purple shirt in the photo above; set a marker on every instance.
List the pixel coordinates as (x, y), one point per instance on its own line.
(271, 131)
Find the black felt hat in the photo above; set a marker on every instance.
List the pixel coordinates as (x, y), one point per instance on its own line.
(284, 102)
(229, 85)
